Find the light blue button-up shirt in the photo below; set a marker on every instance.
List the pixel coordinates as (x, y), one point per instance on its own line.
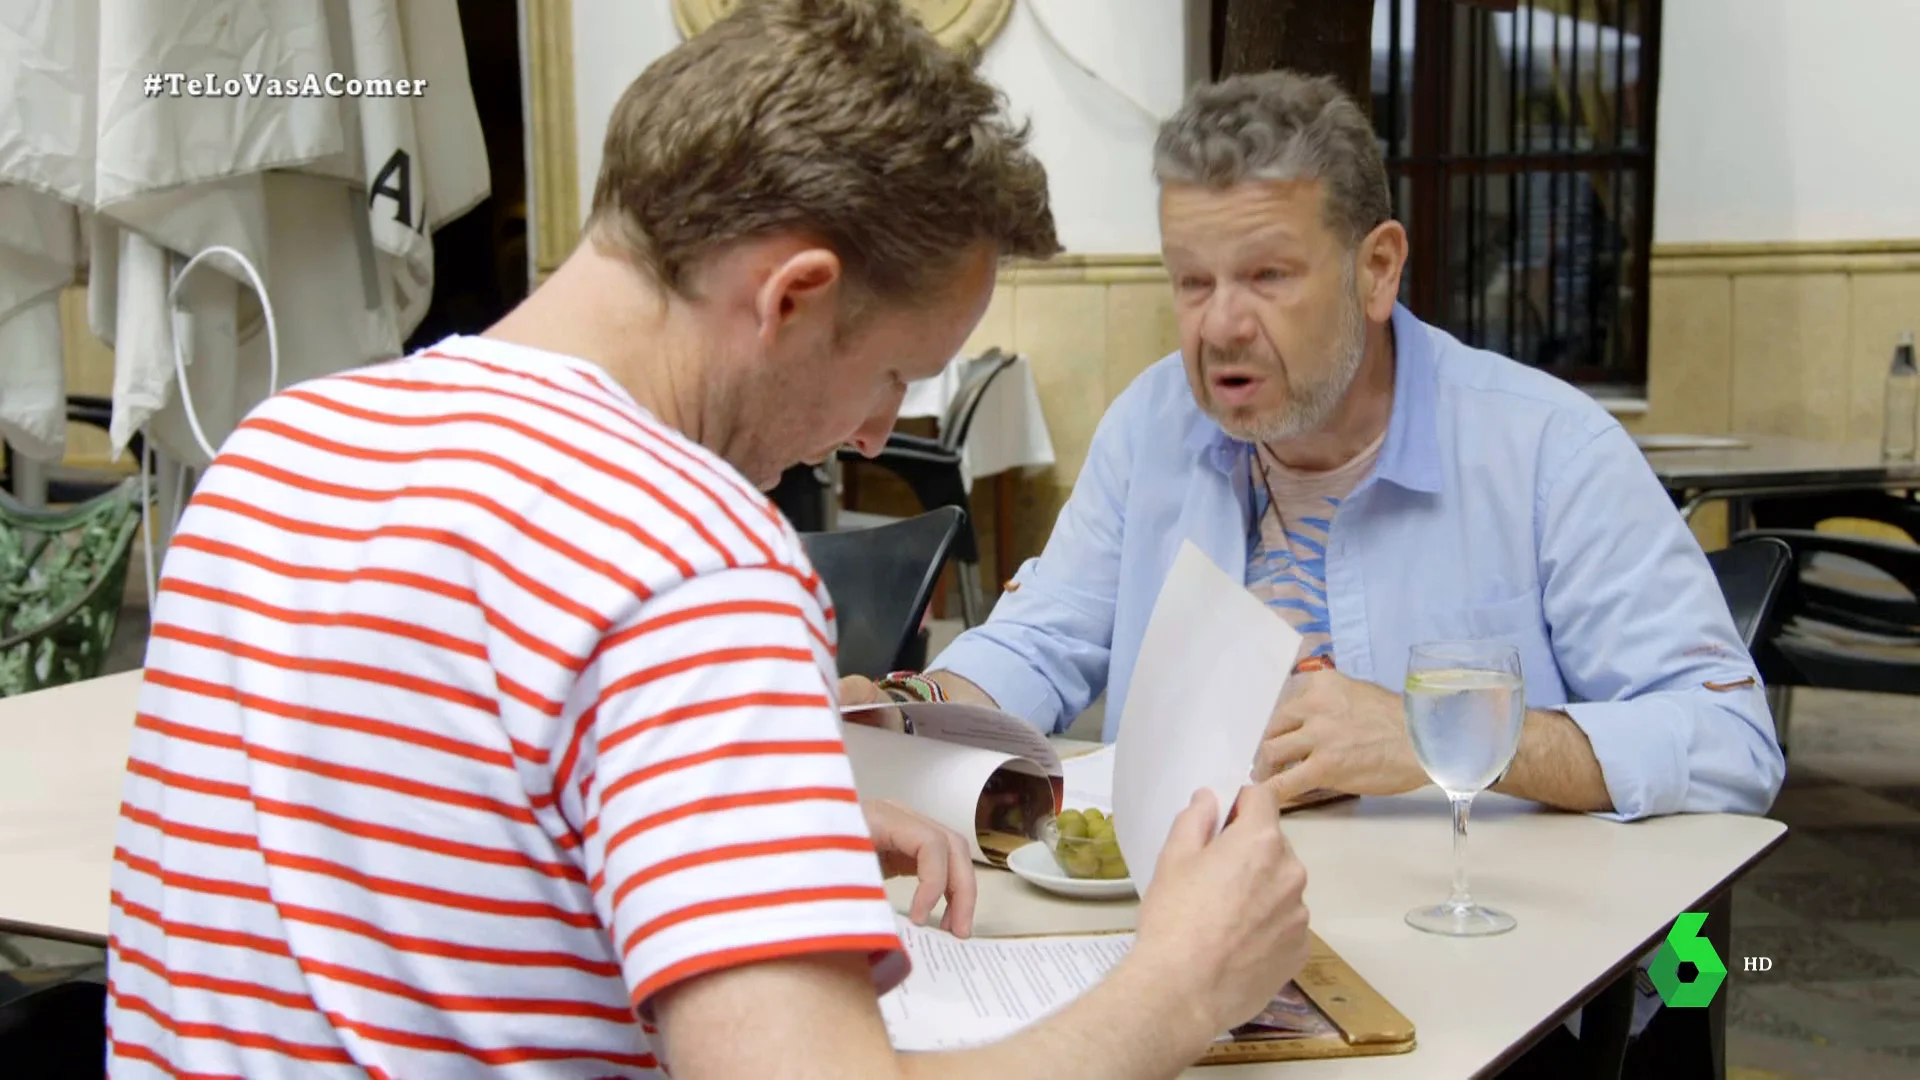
(1505, 505)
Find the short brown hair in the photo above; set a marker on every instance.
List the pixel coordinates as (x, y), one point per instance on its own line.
(844, 120)
(1280, 125)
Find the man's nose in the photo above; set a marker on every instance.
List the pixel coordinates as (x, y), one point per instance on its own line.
(871, 437)
(1227, 319)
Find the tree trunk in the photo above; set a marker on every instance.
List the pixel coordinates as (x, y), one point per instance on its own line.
(1318, 37)
(1315, 37)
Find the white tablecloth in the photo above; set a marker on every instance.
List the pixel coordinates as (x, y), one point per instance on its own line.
(1009, 430)
(1588, 893)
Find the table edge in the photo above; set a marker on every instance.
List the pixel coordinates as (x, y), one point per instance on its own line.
(52, 933)
(1586, 993)
(1841, 477)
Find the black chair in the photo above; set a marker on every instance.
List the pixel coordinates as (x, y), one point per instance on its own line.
(1853, 614)
(1807, 511)
(1753, 574)
(931, 467)
(802, 495)
(880, 580)
(54, 1032)
(1847, 625)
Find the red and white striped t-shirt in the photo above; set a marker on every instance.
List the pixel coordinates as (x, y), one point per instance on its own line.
(479, 707)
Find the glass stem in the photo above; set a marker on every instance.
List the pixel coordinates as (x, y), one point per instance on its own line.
(1460, 897)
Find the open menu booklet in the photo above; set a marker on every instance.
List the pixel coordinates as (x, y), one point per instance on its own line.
(1212, 664)
(965, 993)
(986, 775)
(972, 992)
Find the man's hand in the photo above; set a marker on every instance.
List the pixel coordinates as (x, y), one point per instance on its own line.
(911, 844)
(1224, 917)
(1221, 931)
(860, 690)
(1337, 733)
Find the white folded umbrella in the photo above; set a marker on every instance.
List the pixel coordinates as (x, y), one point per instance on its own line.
(331, 199)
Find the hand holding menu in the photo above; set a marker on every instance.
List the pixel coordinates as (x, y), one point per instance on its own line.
(958, 756)
(1212, 664)
(971, 992)
(1211, 667)
(965, 993)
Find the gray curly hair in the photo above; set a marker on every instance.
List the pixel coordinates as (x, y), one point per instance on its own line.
(1279, 125)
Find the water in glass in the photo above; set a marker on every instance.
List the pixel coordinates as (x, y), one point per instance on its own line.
(1465, 725)
(1465, 704)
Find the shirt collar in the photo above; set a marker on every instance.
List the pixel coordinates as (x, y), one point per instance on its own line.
(1410, 458)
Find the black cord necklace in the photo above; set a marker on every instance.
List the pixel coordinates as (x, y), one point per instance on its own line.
(1273, 503)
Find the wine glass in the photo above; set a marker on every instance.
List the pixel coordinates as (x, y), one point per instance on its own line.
(1465, 705)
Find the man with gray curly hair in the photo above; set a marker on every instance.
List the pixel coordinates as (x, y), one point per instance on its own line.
(1380, 485)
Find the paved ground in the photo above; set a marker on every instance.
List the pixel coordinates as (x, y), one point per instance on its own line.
(1837, 907)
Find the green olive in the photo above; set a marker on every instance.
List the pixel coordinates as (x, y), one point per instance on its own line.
(1080, 862)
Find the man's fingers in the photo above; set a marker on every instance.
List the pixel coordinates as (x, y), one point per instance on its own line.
(1193, 829)
(1256, 803)
(1288, 785)
(1279, 752)
(856, 691)
(963, 888)
(930, 866)
(859, 690)
(1288, 717)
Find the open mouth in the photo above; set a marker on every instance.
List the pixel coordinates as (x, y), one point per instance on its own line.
(1232, 388)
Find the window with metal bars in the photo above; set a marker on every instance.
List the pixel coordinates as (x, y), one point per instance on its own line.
(1520, 145)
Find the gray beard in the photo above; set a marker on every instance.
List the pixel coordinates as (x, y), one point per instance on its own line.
(1311, 406)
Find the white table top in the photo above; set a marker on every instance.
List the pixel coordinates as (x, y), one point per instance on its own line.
(1590, 895)
(62, 755)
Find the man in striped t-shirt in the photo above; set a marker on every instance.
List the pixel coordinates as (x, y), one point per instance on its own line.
(489, 723)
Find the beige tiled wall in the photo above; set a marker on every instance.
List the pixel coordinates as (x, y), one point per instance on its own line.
(1777, 339)
(1788, 339)
(1090, 325)
(1765, 339)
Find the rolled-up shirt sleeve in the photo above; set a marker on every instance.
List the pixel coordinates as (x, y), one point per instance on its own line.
(1044, 653)
(1660, 682)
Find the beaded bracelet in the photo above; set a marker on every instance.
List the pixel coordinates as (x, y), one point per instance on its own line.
(914, 687)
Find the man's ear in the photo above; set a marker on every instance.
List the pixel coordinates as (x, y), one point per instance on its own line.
(1381, 259)
(801, 290)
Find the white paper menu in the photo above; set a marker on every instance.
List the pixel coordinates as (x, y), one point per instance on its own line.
(1211, 667)
(1089, 779)
(975, 726)
(965, 992)
(973, 991)
(939, 779)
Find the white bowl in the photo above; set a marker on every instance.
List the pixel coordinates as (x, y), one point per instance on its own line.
(1034, 863)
